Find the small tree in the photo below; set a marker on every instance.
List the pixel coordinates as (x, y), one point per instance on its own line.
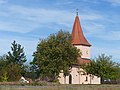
(54, 54)
(16, 55)
(104, 67)
(16, 59)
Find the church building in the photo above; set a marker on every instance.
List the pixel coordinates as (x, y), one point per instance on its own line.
(77, 74)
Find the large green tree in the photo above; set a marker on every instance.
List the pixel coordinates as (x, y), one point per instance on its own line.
(104, 67)
(55, 54)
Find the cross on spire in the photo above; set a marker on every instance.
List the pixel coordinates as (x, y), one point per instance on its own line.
(77, 11)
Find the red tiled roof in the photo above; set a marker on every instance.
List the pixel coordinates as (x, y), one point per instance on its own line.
(77, 34)
(83, 61)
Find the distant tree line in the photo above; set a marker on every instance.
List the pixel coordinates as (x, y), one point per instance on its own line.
(53, 55)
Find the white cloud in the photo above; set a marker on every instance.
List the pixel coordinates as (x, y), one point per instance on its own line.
(68, 2)
(112, 35)
(102, 26)
(23, 19)
(2, 1)
(42, 15)
(91, 1)
(93, 28)
(114, 2)
(91, 16)
(114, 52)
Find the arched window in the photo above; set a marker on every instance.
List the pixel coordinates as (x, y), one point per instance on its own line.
(86, 79)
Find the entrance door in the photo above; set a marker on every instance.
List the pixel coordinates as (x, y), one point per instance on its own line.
(70, 79)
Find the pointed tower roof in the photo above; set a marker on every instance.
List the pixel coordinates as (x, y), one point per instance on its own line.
(77, 35)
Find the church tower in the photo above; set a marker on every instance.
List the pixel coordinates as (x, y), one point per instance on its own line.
(79, 41)
(77, 74)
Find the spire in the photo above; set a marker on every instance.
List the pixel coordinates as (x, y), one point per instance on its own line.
(77, 35)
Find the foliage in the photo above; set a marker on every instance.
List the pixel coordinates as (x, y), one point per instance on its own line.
(54, 54)
(16, 55)
(104, 67)
(3, 62)
(12, 65)
(3, 65)
(30, 73)
(14, 72)
(9, 71)
(4, 78)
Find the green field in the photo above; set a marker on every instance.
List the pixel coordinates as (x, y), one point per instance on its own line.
(63, 87)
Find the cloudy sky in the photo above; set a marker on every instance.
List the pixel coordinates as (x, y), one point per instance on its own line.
(27, 21)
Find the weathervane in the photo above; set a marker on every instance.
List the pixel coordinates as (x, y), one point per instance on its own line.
(77, 11)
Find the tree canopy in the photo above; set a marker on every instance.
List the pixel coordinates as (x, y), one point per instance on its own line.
(54, 54)
(104, 67)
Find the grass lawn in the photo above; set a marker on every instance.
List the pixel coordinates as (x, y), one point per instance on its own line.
(62, 87)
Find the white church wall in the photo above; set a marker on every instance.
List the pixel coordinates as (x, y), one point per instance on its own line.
(79, 78)
(75, 75)
(96, 80)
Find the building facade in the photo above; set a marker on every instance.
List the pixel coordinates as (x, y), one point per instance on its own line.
(77, 74)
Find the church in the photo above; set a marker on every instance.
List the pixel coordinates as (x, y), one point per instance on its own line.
(77, 74)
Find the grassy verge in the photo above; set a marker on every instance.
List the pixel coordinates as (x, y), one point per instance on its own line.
(62, 87)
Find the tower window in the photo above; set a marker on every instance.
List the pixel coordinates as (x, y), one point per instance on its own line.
(86, 79)
(86, 52)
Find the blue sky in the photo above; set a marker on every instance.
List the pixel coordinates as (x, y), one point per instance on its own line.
(27, 21)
